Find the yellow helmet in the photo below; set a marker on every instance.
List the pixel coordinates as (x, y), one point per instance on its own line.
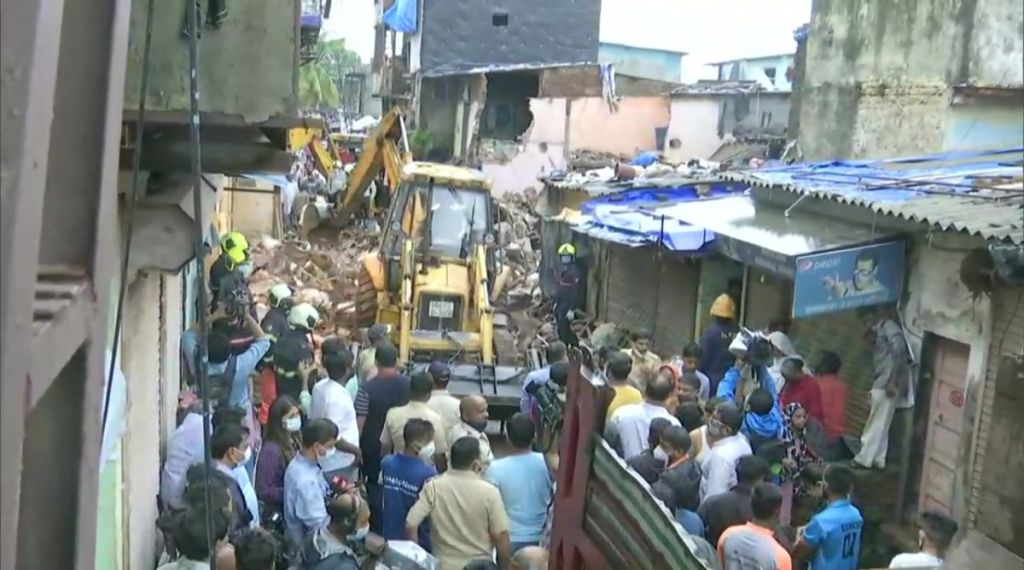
(567, 249)
(723, 307)
(236, 247)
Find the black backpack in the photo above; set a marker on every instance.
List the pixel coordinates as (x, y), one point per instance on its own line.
(221, 384)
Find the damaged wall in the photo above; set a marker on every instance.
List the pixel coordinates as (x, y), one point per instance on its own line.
(514, 166)
(694, 123)
(585, 81)
(630, 130)
(878, 74)
(702, 123)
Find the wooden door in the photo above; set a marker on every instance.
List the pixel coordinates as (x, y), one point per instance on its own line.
(945, 424)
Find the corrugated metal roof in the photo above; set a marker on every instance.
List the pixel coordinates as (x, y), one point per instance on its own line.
(980, 193)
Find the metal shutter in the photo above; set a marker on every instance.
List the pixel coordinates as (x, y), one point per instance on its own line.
(632, 285)
(842, 333)
(676, 306)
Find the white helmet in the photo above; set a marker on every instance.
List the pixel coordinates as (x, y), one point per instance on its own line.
(279, 293)
(303, 316)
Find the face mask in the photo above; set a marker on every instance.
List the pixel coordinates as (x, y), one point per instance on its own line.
(566, 259)
(293, 424)
(716, 429)
(247, 455)
(478, 424)
(245, 269)
(330, 451)
(360, 533)
(428, 451)
(660, 454)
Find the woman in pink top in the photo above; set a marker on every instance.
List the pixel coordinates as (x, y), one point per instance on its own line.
(833, 395)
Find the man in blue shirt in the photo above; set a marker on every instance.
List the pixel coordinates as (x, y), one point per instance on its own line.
(404, 475)
(218, 353)
(524, 481)
(305, 489)
(832, 539)
(555, 353)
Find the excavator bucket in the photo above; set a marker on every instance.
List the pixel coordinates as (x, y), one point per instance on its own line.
(501, 385)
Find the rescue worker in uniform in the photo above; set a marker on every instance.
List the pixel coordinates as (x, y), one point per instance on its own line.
(569, 293)
(234, 256)
(275, 324)
(715, 357)
(294, 351)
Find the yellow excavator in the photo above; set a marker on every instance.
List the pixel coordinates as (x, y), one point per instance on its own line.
(432, 280)
(437, 268)
(385, 150)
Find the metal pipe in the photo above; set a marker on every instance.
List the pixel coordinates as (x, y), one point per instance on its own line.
(195, 152)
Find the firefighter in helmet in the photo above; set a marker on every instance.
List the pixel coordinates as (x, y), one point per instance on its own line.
(234, 258)
(569, 280)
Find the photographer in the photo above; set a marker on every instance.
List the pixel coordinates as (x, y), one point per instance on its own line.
(550, 398)
(229, 374)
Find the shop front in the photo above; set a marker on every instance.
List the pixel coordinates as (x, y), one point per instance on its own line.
(806, 274)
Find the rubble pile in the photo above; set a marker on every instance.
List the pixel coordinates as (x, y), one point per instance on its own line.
(322, 272)
(522, 299)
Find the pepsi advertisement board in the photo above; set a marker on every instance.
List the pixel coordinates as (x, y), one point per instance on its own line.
(848, 279)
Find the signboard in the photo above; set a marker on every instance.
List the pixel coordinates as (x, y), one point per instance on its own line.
(848, 279)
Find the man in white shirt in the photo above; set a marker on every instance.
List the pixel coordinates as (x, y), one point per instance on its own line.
(729, 445)
(632, 422)
(184, 449)
(473, 423)
(934, 537)
(331, 401)
(446, 405)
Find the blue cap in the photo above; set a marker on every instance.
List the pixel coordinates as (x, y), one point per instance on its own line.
(440, 369)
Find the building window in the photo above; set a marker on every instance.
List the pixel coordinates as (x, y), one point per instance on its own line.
(499, 19)
(770, 72)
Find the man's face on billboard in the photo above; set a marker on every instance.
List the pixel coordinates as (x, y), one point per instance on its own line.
(864, 273)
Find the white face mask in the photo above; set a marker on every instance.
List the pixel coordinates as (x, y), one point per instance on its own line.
(360, 533)
(330, 451)
(245, 269)
(660, 454)
(428, 451)
(293, 424)
(247, 455)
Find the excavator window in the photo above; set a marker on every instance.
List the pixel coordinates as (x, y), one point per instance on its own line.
(459, 219)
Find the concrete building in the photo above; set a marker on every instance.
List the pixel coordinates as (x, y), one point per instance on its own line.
(769, 72)
(74, 110)
(709, 114)
(641, 61)
(911, 78)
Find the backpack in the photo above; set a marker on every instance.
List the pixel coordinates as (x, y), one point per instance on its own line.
(221, 384)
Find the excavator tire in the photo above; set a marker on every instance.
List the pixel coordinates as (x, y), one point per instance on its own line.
(366, 299)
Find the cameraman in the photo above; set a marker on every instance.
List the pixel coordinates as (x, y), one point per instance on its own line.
(550, 398)
(219, 357)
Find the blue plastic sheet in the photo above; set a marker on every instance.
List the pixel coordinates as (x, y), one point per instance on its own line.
(401, 16)
(637, 217)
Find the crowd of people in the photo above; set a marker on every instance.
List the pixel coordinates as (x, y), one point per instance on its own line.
(743, 442)
(326, 455)
(322, 454)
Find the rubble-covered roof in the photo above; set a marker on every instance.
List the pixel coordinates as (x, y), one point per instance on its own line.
(977, 192)
(724, 87)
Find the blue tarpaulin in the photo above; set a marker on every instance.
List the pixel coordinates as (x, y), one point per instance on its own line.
(401, 16)
(633, 217)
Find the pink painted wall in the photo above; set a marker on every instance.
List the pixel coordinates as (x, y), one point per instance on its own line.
(628, 131)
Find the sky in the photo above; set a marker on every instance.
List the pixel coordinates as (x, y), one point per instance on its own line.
(708, 30)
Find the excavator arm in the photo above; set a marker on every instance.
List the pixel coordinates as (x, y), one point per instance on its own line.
(386, 147)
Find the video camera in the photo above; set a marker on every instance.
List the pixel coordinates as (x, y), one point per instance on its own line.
(235, 296)
(550, 397)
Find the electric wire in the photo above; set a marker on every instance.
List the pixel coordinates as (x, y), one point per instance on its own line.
(133, 191)
(195, 155)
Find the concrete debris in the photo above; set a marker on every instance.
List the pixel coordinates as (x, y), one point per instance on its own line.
(321, 272)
